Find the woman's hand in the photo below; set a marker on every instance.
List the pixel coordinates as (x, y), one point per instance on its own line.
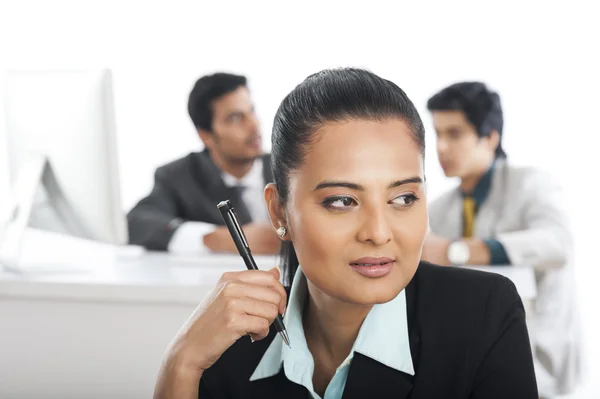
(242, 303)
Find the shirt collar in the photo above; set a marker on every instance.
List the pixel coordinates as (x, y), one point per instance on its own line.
(383, 337)
(252, 179)
(483, 187)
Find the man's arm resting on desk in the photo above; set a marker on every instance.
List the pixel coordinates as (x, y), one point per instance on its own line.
(154, 219)
(190, 237)
(201, 238)
(261, 237)
(481, 252)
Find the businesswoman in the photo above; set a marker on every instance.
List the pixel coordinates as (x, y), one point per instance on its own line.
(365, 317)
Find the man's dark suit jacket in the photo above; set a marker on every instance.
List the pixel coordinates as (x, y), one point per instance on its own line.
(468, 339)
(187, 189)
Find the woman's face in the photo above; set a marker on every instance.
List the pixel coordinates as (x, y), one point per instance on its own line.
(357, 211)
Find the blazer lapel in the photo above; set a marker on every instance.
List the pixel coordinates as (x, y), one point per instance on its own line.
(488, 215)
(278, 386)
(451, 223)
(368, 378)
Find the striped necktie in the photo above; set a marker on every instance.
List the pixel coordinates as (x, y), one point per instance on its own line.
(468, 216)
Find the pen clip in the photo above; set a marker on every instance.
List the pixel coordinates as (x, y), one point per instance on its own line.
(233, 216)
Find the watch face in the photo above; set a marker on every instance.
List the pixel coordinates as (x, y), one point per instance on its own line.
(458, 253)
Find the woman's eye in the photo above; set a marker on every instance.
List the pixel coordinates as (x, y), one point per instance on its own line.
(405, 200)
(339, 202)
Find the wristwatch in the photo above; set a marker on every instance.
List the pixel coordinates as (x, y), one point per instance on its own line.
(458, 253)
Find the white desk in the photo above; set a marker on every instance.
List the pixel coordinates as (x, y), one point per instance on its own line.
(102, 334)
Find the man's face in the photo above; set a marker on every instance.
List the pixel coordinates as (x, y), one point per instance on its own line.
(235, 135)
(461, 151)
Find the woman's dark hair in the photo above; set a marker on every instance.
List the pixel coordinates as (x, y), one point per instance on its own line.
(481, 106)
(332, 95)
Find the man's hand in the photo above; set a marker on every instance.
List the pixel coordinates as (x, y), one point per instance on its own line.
(435, 250)
(479, 253)
(261, 237)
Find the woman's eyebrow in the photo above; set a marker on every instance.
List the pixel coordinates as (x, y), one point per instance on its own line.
(358, 187)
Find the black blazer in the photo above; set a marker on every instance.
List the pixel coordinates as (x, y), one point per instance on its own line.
(468, 339)
(187, 189)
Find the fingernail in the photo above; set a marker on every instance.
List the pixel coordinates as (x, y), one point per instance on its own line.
(251, 339)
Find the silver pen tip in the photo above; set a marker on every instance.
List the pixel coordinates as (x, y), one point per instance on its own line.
(286, 339)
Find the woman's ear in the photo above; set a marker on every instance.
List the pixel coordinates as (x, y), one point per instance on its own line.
(274, 207)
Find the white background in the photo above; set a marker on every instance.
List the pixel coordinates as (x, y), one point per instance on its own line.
(541, 56)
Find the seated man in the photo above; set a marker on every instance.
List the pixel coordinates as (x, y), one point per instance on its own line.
(180, 214)
(505, 215)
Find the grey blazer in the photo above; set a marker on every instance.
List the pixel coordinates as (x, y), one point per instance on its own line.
(187, 189)
(524, 212)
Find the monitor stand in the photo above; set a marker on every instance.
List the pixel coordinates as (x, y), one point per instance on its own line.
(53, 213)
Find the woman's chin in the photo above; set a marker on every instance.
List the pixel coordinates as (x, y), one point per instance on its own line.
(374, 294)
(370, 291)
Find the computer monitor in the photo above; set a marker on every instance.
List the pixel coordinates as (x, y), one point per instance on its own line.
(61, 141)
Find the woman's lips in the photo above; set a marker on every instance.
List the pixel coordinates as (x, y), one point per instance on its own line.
(372, 267)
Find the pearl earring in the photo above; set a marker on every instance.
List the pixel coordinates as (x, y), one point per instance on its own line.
(281, 232)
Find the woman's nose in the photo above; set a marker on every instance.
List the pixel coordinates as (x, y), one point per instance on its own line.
(375, 228)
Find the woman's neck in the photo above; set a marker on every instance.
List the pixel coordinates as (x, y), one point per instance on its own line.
(331, 326)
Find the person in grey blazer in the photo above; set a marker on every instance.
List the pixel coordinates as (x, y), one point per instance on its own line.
(180, 214)
(505, 215)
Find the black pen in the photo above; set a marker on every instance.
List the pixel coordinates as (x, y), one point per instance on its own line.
(231, 221)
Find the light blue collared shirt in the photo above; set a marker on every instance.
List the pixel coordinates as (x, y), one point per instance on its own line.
(383, 337)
